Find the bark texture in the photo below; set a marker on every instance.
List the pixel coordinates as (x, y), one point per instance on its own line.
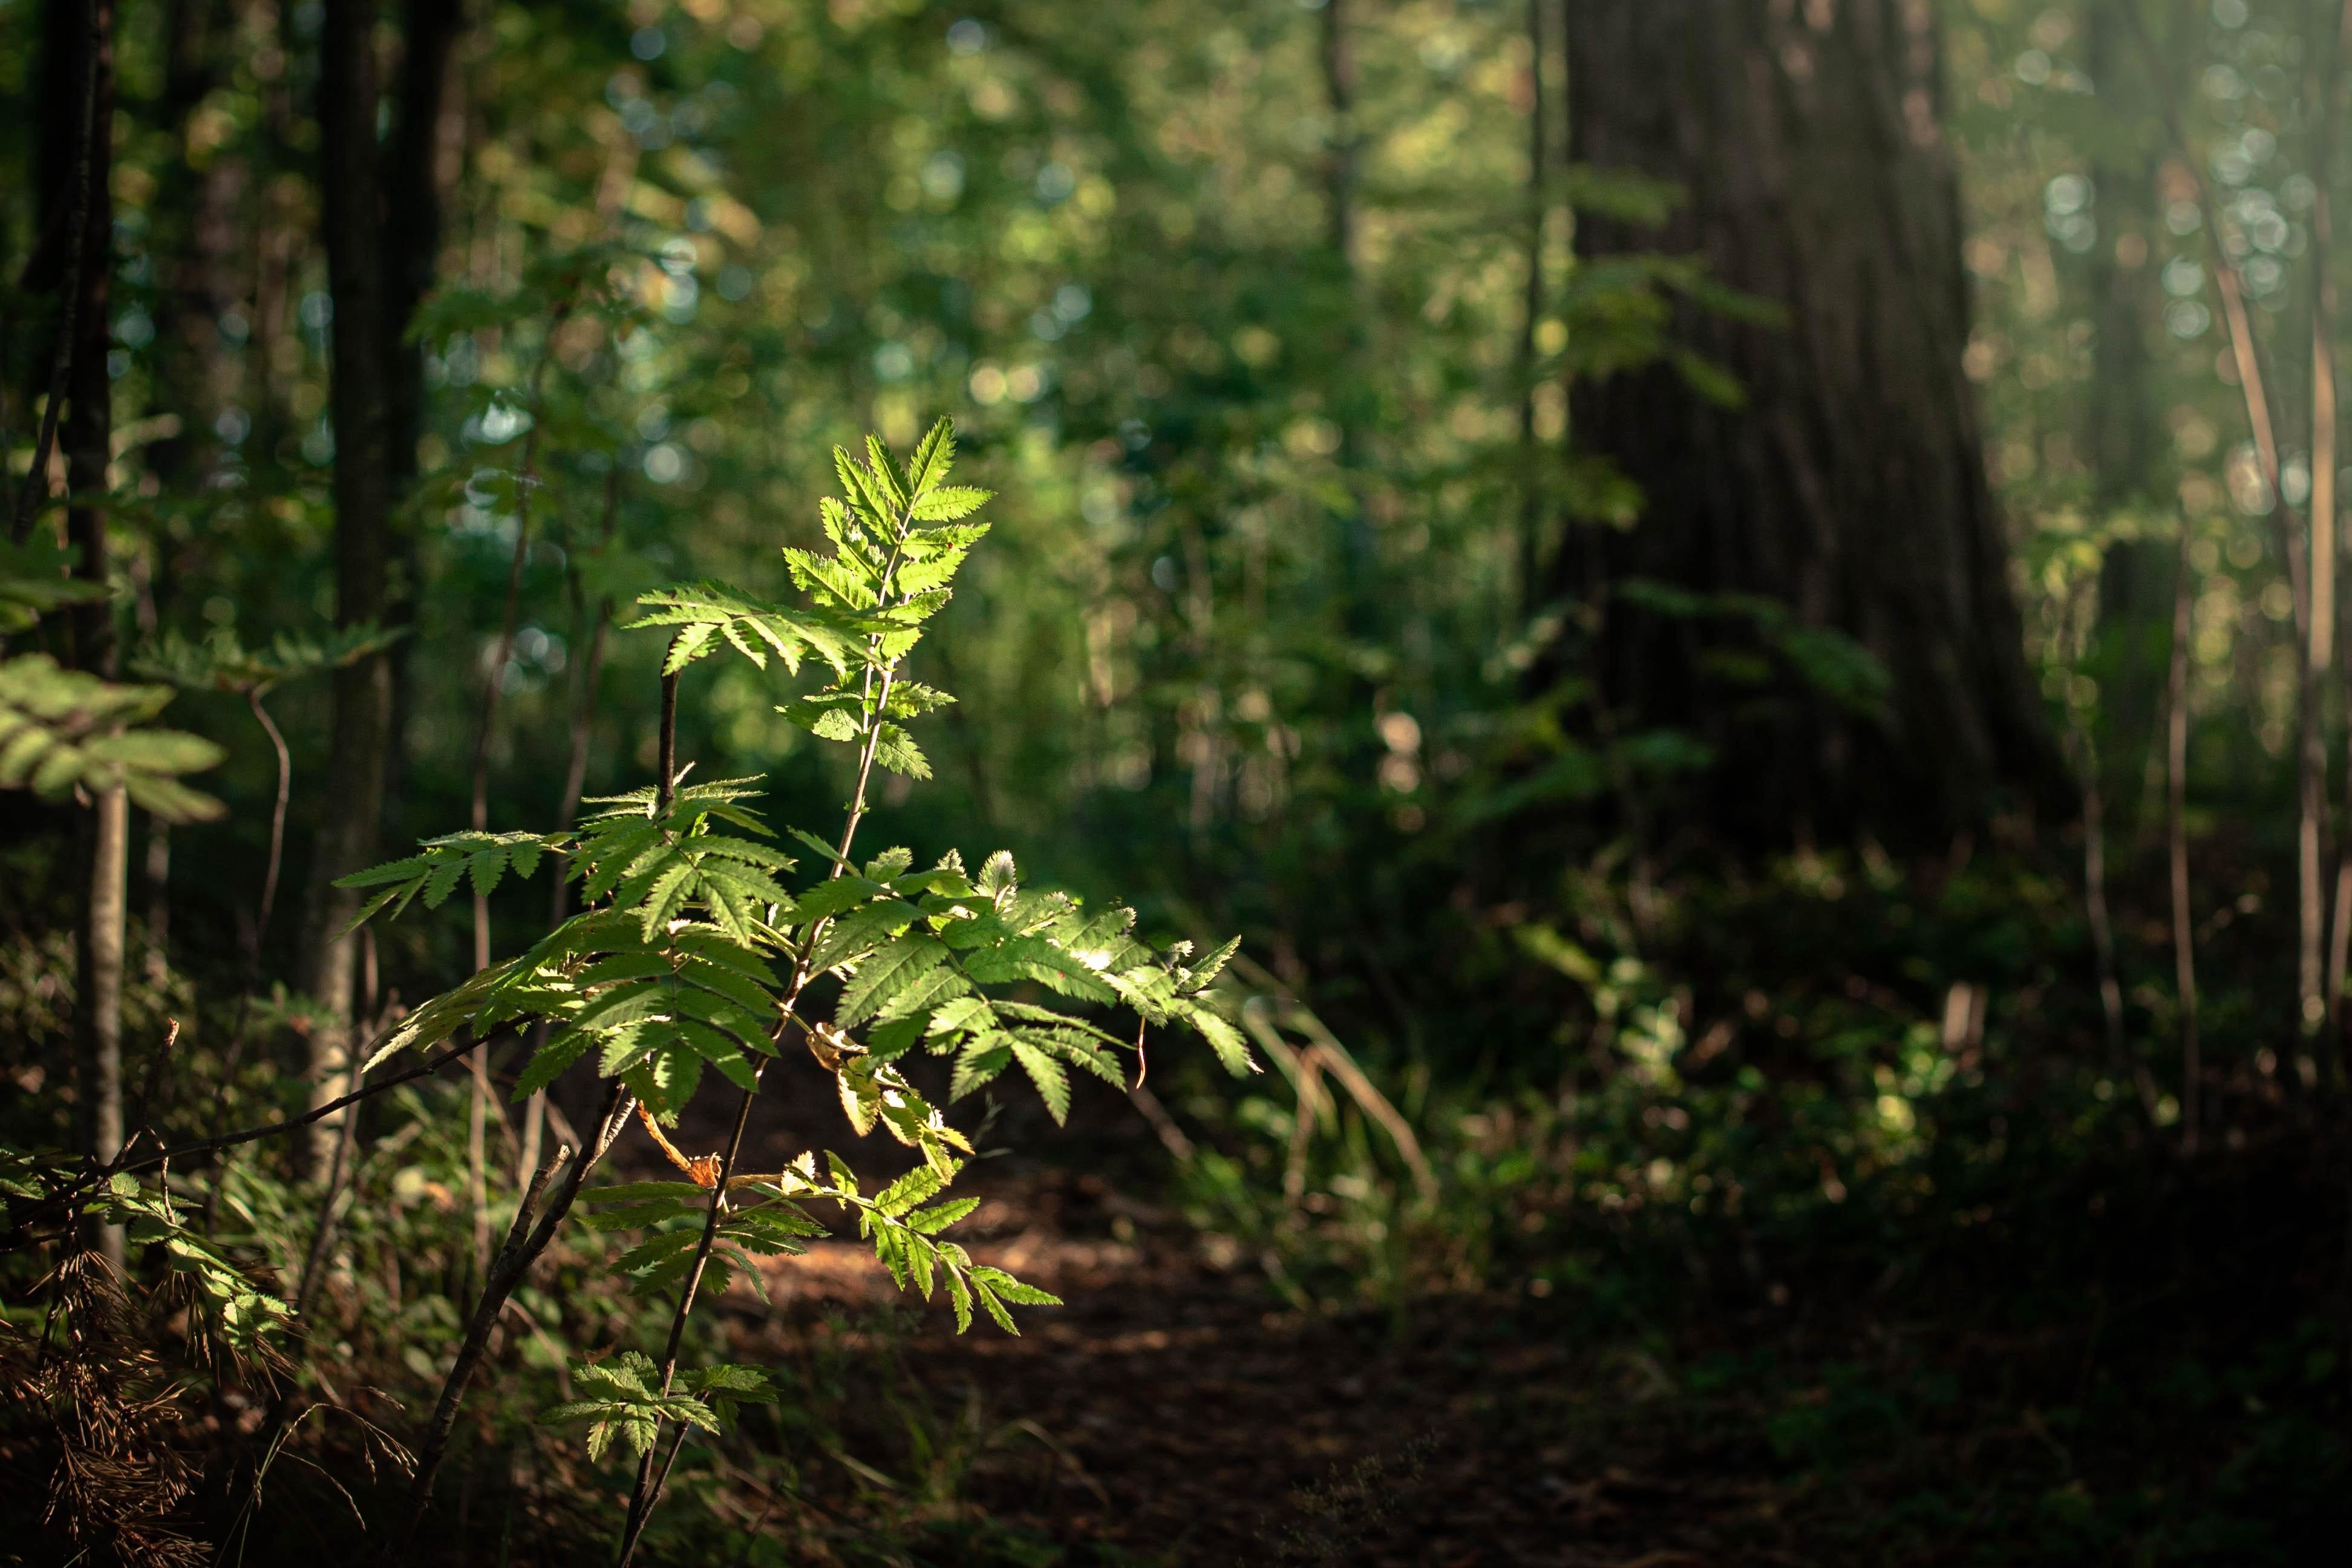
(1851, 486)
(358, 402)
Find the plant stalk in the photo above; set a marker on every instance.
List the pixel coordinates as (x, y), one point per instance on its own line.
(644, 1494)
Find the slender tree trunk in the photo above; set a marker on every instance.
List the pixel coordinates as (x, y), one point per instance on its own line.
(2295, 541)
(2320, 641)
(2124, 435)
(78, 175)
(1343, 174)
(2311, 835)
(478, 1105)
(361, 734)
(414, 174)
(1531, 309)
(1852, 485)
(98, 1006)
(485, 735)
(77, 123)
(2176, 756)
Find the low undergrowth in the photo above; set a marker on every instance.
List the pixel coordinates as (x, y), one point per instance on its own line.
(1836, 1188)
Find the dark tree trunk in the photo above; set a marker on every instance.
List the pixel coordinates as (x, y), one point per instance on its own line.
(411, 232)
(76, 174)
(352, 195)
(1851, 486)
(86, 436)
(418, 166)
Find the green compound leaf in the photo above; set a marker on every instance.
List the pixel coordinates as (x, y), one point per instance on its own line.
(64, 729)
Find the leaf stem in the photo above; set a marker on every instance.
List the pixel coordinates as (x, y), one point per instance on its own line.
(666, 790)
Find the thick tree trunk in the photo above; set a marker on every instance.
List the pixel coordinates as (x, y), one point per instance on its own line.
(1851, 486)
(362, 718)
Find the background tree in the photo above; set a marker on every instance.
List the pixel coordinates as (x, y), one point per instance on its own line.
(1831, 462)
(360, 393)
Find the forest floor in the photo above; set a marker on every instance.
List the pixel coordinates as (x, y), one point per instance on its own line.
(1173, 1411)
(1176, 1411)
(2115, 1405)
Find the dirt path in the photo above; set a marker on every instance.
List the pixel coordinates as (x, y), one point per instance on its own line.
(1171, 1412)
